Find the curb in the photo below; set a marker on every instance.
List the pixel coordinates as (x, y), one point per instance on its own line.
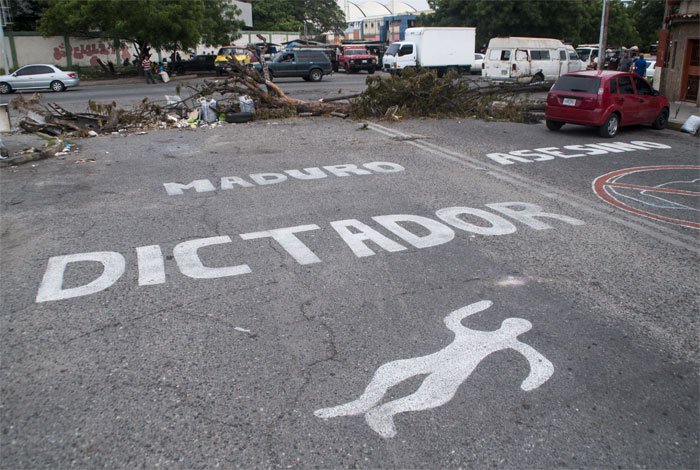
(674, 125)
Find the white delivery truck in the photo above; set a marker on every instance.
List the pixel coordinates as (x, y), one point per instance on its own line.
(529, 59)
(434, 48)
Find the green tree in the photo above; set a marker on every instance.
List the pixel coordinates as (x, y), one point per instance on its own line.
(317, 16)
(647, 16)
(175, 24)
(25, 14)
(621, 28)
(575, 21)
(275, 15)
(511, 17)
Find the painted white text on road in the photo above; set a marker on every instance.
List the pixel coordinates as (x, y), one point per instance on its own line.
(415, 230)
(264, 179)
(572, 151)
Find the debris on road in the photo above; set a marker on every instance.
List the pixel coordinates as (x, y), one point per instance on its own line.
(692, 125)
(425, 94)
(246, 94)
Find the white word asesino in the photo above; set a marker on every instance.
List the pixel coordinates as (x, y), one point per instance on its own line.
(263, 179)
(574, 151)
(414, 230)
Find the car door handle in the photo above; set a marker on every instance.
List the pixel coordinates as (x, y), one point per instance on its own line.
(641, 100)
(621, 100)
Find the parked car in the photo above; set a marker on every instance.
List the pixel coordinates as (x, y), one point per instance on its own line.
(199, 63)
(651, 66)
(307, 64)
(37, 77)
(228, 52)
(356, 58)
(606, 99)
(478, 63)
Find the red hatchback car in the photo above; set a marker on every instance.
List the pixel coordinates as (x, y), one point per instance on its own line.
(606, 99)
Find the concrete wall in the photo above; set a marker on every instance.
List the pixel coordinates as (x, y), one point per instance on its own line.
(31, 48)
(672, 74)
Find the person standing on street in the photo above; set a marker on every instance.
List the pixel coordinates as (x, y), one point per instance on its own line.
(146, 64)
(640, 66)
(625, 63)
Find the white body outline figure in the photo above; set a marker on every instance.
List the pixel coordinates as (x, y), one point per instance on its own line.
(445, 369)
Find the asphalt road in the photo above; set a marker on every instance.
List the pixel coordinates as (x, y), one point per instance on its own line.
(145, 323)
(131, 91)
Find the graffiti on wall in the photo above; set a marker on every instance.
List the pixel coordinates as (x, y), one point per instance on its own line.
(91, 50)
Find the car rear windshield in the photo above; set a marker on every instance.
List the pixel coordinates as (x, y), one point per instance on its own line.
(579, 84)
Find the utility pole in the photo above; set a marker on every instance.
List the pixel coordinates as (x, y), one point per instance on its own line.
(603, 35)
(4, 21)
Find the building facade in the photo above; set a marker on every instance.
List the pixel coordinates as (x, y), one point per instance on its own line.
(679, 49)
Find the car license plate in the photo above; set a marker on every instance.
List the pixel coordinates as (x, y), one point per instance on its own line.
(569, 102)
(364, 61)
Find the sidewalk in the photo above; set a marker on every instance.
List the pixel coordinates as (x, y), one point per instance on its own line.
(680, 112)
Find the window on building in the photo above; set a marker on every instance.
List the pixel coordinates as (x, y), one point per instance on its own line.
(694, 52)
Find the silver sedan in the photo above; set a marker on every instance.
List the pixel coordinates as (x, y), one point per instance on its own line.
(36, 77)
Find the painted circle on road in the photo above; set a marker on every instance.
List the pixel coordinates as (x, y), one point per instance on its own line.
(667, 193)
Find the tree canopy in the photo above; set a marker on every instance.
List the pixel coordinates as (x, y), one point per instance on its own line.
(291, 15)
(175, 24)
(575, 21)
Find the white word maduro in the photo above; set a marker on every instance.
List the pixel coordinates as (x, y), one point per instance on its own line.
(572, 151)
(264, 179)
(415, 230)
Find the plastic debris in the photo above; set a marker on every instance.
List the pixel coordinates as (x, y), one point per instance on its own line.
(691, 125)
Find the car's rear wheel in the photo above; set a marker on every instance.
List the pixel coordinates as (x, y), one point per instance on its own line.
(661, 120)
(553, 125)
(370, 70)
(538, 78)
(57, 85)
(5, 88)
(315, 75)
(610, 127)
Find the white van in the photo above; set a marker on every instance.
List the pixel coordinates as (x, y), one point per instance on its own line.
(529, 59)
(588, 54)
